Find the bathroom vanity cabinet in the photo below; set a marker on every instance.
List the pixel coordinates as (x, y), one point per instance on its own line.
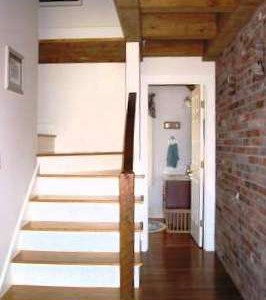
(176, 202)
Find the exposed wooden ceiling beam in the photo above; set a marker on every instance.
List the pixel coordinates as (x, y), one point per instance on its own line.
(179, 26)
(172, 48)
(81, 51)
(130, 20)
(228, 26)
(171, 6)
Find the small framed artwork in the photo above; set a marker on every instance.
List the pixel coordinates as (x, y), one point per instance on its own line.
(171, 125)
(60, 2)
(13, 71)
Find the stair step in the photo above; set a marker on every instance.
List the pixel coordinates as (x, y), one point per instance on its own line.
(65, 163)
(81, 199)
(74, 237)
(78, 153)
(79, 212)
(94, 174)
(75, 226)
(70, 258)
(22, 292)
(89, 184)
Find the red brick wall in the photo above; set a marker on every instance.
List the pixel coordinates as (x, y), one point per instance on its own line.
(241, 160)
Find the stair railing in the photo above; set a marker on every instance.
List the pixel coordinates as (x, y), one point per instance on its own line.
(127, 206)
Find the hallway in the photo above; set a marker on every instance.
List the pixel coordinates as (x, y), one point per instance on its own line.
(174, 268)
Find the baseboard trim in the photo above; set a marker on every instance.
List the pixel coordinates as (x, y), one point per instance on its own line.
(4, 274)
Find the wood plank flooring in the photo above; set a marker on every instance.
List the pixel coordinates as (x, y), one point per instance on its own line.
(175, 269)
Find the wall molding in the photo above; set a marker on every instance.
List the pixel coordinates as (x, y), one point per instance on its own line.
(4, 280)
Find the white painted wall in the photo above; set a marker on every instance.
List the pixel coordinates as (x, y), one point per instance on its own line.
(170, 106)
(159, 71)
(18, 29)
(84, 104)
(93, 19)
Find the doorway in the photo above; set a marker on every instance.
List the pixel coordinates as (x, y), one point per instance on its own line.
(175, 141)
(183, 72)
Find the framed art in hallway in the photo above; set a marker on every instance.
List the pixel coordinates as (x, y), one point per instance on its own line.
(13, 70)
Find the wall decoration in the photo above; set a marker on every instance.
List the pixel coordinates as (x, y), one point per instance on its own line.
(231, 81)
(13, 70)
(151, 105)
(188, 101)
(171, 125)
(258, 65)
(60, 2)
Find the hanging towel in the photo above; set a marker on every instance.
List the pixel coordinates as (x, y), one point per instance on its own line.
(172, 154)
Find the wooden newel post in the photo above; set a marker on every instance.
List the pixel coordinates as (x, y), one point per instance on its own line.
(127, 234)
(127, 203)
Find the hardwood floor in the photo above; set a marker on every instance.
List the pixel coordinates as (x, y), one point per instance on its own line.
(175, 269)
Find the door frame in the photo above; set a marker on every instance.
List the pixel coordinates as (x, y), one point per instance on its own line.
(210, 143)
(200, 151)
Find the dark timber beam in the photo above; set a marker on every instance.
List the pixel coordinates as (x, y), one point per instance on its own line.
(82, 51)
(130, 20)
(172, 48)
(228, 27)
(203, 6)
(179, 26)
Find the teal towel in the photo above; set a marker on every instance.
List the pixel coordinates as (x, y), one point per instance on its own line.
(172, 155)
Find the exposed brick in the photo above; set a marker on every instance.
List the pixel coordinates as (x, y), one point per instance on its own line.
(241, 161)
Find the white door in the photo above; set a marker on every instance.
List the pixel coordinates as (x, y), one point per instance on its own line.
(197, 165)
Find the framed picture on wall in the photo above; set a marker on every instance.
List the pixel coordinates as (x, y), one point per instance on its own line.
(171, 125)
(60, 2)
(13, 70)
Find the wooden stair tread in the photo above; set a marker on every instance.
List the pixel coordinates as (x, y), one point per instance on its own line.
(81, 199)
(46, 135)
(79, 153)
(70, 258)
(98, 174)
(20, 292)
(75, 226)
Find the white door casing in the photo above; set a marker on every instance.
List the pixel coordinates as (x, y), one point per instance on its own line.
(164, 71)
(197, 165)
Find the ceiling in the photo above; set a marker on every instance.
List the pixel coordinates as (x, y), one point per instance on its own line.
(184, 27)
(163, 28)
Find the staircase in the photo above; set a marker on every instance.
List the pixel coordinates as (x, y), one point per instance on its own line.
(71, 245)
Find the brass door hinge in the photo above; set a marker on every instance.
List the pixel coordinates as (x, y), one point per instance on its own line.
(202, 104)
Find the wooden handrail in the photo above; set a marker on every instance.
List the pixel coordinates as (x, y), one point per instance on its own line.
(127, 203)
(129, 134)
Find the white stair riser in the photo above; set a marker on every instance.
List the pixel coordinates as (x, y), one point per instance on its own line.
(78, 212)
(67, 275)
(72, 241)
(81, 186)
(68, 164)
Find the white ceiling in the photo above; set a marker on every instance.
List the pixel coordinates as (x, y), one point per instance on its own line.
(92, 13)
